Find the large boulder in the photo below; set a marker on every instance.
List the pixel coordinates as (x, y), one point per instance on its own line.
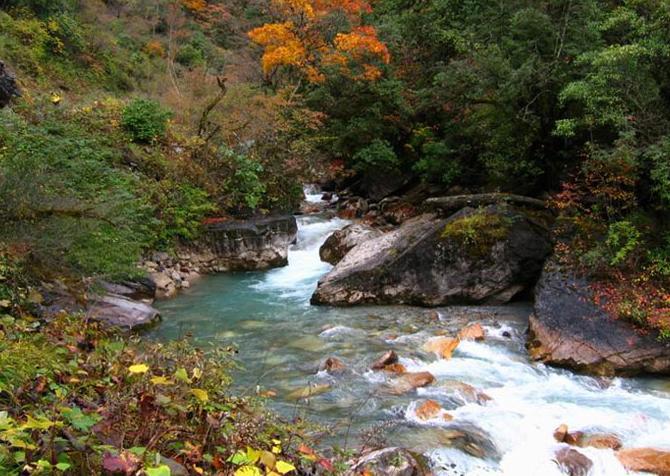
(8, 86)
(476, 256)
(119, 311)
(569, 329)
(243, 245)
(342, 241)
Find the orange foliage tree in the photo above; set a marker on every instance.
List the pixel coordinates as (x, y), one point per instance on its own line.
(304, 39)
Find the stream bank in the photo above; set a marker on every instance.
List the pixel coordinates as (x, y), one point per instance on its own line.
(283, 342)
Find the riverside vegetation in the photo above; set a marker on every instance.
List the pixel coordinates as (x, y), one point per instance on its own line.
(125, 126)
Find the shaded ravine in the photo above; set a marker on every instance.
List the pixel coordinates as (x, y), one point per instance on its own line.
(282, 340)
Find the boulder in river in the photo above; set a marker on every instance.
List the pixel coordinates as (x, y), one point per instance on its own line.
(389, 462)
(471, 439)
(443, 347)
(648, 460)
(333, 365)
(254, 244)
(408, 382)
(472, 332)
(387, 358)
(569, 329)
(342, 241)
(461, 392)
(476, 256)
(583, 439)
(572, 462)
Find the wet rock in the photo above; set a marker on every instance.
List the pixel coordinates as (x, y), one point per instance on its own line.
(569, 330)
(389, 462)
(309, 392)
(430, 409)
(388, 358)
(572, 462)
(471, 439)
(408, 382)
(396, 368)
(472, 332)
(333, 365)
(464, 392)
(649, 460)
(342, 241)
(600, 441)
(443, 347)
(561, 432)
(8, 86)
(585, 439)
(419, 263)
(119, 311)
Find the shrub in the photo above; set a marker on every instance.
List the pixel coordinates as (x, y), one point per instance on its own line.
(145, 120)
(378, 156)
(63, 199)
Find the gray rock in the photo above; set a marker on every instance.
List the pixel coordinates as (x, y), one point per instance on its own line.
(389, 462)
(8, 86)
(342, 241)
(243, 245)
(421, 264)
(119, 311)
(569, 330)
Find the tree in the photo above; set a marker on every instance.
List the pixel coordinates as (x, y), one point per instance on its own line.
(313, 35)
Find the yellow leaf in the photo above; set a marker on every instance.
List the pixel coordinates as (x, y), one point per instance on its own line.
(284, 468)
(138, 369)
(276, 449)
(268, 459)
(276, 441)
(159, 380)
(198, 469)
(200, 394)
(197, 373)
(248, 471)
(253, 455)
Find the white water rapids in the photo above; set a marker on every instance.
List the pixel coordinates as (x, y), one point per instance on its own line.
(282, 340)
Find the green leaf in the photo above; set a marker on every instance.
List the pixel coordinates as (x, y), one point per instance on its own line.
(181, 375)
(80, 420)
(161, 470)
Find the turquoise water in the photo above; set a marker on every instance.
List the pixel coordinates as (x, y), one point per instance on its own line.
(282, 340)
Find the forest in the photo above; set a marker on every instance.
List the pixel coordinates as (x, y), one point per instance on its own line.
(128, 127)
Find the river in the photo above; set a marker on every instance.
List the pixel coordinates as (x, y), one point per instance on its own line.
(282, 340)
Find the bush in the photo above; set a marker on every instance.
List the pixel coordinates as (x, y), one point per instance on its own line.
(65, 201)
(145, 120)
(378, 156)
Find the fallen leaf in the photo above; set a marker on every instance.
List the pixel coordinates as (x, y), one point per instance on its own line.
(160, 380)
(284, 468)
(138, 369)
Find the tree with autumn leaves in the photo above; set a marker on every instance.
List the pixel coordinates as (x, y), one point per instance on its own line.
(311, 37)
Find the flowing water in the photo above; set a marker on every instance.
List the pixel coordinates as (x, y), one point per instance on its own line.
(282, 340)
